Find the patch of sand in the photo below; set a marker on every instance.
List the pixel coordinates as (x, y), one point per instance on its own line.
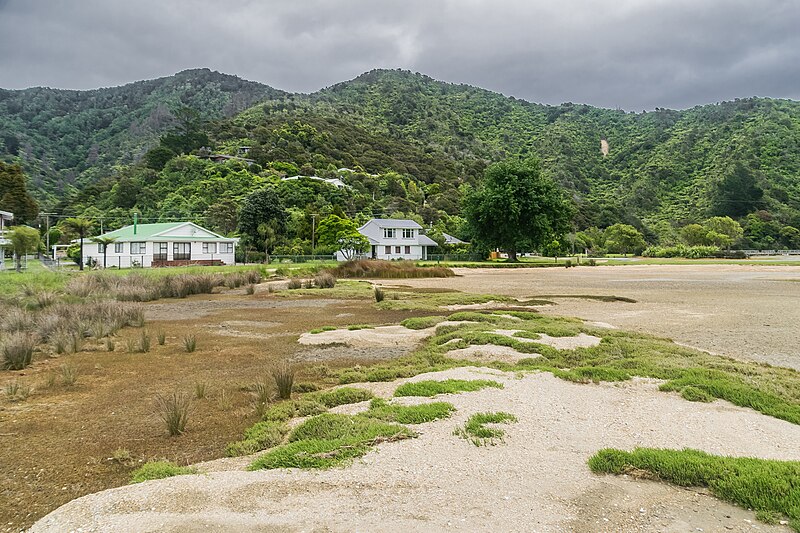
(537, 480)
(381, 336)
(490, 352)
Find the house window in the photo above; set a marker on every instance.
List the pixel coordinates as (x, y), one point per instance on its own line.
(101, 247)
(160, 251)
(397, 249)
(408, 249)
(181, 251)
(138, 248)
(388, 250)
(408, 233)
(209, 247)
(226, 247)
(389, 233)
(119, 248)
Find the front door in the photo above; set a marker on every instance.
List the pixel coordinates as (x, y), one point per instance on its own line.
(181, 251)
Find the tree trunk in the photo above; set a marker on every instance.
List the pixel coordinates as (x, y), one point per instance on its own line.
(512, 255)
(80, 262)
(105, 251)
(18, 263)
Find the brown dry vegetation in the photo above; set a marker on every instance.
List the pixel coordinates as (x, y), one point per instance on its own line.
(61, 442)
(378, 269)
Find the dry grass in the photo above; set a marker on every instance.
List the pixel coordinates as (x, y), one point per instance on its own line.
(283, 374)
(174, 411)
(17, 351)
(374, 268)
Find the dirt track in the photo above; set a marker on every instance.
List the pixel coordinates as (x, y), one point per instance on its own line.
(750, 312)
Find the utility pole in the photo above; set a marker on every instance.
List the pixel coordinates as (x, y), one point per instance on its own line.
(47, 225)
(313, 232)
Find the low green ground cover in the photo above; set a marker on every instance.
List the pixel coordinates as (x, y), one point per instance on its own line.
(159, 470)
(429, 388)
(476, 431)
(771, 488)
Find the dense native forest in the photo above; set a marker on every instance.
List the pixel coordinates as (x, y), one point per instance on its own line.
(405, 145)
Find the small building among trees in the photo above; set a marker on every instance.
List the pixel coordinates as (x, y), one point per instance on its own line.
(394, 239)
(5, 218)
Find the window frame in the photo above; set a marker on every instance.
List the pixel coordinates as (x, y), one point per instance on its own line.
(389, 233)
(181, 255)
(387, 250)
(224, 248)
(119, 247)
(408, 250)
(207, 247)
(408, 233)
(141, 246)
(397, 250)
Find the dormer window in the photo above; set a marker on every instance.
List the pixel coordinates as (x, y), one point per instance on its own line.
(389, 233)
(408, 233)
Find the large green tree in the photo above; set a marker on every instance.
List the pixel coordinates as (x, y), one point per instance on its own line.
(262, 218)
(342, 232)
(81, 226)
(624, 239)
(517, 208)
(24, 240)
(14, 196)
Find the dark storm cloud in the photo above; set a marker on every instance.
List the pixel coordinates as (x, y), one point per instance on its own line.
(633, 54)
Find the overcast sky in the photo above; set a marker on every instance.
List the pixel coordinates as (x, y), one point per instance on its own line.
(632, 54)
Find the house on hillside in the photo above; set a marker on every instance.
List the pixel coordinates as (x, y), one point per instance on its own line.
(163, 244)
(449, 239)
(394, 239)
(5, 218)
(336, 182)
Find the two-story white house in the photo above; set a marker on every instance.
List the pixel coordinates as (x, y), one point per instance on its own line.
(5, 218)
(162, 244)
(394, 239)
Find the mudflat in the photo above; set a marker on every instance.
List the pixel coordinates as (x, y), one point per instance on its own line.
(744, 311)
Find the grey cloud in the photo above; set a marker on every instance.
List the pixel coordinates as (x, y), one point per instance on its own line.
(633, 54)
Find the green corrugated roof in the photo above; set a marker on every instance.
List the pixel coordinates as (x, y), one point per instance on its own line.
(142, 230)
(148, 232)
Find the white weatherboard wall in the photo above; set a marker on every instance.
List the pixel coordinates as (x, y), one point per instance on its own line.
(395, 239)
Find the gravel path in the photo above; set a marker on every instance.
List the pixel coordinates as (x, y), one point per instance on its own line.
(536, 481)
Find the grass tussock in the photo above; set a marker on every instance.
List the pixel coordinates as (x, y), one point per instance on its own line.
(283, 374)
(17, 351)
(379, 269)
(159, 470)
(190, 343)
(173, 410)
(476, 431)
(138, 287)
(768, 487)
(17, 391)
(423, 322)
(379, 294)
(429, 388)
(325, 280)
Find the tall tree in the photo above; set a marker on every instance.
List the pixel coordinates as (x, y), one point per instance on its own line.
(625, 239)
(82, 227)
(517, 208)
(263, 218)
(23, 241)
(14, 194)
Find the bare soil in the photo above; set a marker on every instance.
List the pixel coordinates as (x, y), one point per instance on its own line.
(536, 480)
(60, 443)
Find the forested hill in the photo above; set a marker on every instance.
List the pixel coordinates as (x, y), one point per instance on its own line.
(65, 137)
(663, 169)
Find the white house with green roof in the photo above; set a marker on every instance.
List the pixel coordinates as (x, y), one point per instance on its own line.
(162, 244)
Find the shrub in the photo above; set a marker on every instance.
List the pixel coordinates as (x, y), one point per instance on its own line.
(174, 411)
(423, 322)
(306, 387)
(190, 343)
(295, 283)
(144, 342)
(69, 375)
(325, 280)
(379, 294)
(159, 470)
(17, 392)
(18, 351)
(374, 269)
(293, 408)
(283, 374)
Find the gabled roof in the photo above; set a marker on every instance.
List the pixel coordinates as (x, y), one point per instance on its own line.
(424, 240)
(6, 215)
(449, 239)
(394, 223)
(154, 232)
